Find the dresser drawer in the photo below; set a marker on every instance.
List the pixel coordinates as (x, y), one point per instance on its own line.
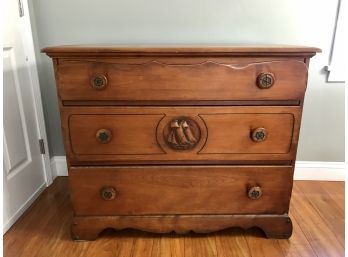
(180, 134)
(180, 190)
(157, 81)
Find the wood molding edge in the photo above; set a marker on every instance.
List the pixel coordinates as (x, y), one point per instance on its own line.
(89, 227)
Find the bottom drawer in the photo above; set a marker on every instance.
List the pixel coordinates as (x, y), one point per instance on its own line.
(180, 190)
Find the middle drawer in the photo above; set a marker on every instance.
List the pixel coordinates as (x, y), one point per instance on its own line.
(112, 134)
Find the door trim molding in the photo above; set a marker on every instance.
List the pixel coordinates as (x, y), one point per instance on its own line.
(29, 49)
(10, 221)
(327, 171)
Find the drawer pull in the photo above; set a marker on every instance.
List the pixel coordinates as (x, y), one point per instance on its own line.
(108, 193)
(259, 134)
(99, 81)
(265, 80)
(255, 193)
(104, 136)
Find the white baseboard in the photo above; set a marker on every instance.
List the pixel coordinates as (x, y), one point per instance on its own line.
(59, 166)
(23, 208)
(329, 171)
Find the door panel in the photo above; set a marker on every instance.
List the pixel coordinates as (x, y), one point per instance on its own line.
(24, 169)
(15, 130)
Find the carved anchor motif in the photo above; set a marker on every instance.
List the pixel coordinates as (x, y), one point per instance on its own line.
(181, 135)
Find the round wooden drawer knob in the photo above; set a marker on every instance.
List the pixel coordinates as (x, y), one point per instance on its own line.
(259, 134)
(103, 136)
(108, 193)
(99, 81)
(255, 192)
(265, 80)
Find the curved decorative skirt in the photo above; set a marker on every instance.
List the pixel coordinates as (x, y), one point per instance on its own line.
(89, 227)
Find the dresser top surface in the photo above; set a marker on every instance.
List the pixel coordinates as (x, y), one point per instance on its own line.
(66, 50)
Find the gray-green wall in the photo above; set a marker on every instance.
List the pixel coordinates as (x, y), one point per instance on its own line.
(304, 22)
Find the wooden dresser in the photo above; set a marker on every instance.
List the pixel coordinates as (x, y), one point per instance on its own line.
(181, 138)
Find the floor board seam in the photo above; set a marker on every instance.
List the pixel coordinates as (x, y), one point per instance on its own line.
(320, 215)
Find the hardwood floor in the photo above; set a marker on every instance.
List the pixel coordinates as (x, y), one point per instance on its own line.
(317, 212)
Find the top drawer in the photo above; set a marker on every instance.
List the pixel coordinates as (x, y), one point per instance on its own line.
(158, 81)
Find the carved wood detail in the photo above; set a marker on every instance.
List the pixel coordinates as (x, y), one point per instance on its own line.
(88, 228)
(142, 132)
(182, 133)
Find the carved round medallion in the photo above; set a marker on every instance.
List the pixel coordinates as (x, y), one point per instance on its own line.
(182, 133)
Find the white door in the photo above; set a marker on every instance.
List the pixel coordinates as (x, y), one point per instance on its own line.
(26, 170)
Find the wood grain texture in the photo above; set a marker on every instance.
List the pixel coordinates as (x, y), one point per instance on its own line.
(333, 218)
(176, 190)
(182, 103)
(230, 243)
(138, 133)
(237, 135)
(298, 245)
(335, 190)
(131, 134)
(89, 227)
(44, 230)
(319, 234)
(181, 116)
(174, 50)
(157, 81)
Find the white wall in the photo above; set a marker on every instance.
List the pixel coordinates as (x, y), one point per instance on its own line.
(305, 22)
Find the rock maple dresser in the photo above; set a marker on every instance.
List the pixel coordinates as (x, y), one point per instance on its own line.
(181, 138)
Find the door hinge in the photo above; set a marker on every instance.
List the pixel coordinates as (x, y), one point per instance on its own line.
(20, 8)
(42, 146)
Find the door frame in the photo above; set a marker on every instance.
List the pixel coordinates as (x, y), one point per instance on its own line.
(29, 50)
